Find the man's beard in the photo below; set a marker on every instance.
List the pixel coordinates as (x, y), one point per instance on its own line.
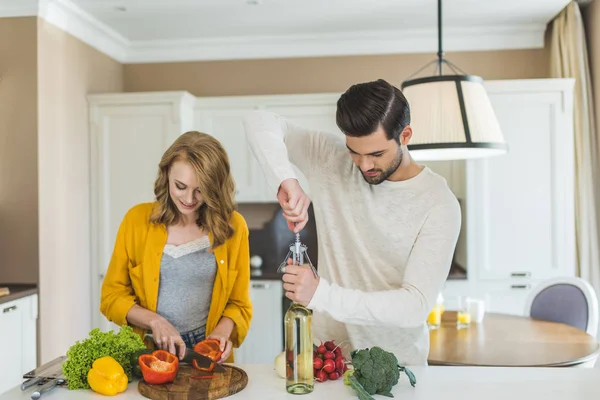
(384, 174)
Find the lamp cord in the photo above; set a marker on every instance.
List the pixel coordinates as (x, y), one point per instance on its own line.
(440, 53)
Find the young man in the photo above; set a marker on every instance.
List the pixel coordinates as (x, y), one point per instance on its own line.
(387, 227)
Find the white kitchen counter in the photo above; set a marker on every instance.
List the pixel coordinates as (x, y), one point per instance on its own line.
(433, 383)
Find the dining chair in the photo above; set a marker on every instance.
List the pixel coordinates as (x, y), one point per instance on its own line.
(568, 300)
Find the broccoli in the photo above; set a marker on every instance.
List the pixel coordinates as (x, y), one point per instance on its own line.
(376, 371)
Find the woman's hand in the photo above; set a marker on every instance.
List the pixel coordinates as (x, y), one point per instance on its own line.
(167, 337)
(222, 332)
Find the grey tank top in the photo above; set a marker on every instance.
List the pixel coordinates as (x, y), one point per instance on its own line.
(187, 275)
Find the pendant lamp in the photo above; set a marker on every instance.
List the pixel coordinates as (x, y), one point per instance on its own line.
(451, 115)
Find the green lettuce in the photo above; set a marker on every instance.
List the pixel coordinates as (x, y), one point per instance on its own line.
(83, 353)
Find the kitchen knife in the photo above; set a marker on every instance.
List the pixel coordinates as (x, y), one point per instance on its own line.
(50, 370)
(191, 355)
(43, 369)
(47, 386)
(30, 382)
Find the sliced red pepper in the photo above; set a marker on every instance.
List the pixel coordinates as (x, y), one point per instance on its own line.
(159, 367)
(209, 369)
(210, 348)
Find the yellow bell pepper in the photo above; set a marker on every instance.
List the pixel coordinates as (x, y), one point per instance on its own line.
(107, 377)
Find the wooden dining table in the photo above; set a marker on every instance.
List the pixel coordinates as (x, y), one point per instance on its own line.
(502, 340)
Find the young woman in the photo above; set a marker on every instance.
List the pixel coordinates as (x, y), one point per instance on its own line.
(180, 267)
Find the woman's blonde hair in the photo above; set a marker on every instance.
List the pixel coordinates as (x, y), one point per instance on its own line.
(211, 163)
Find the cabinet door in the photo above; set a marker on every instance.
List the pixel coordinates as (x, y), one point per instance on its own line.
(11, 344)
(265, 337)
(129, 134)
(319, 117)
(226, 125)
(29, 329)
(520, 205)
(507, 297)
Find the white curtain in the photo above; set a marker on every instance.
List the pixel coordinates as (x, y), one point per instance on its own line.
(569, 59)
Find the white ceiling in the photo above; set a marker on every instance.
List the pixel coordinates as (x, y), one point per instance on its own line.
(192, 19)
(172, 30)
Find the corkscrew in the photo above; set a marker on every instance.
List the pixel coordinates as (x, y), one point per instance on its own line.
(299, 255)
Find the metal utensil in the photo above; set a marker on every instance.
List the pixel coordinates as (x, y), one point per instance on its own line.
(50, 370)
(46, 387)
(202, 361)
(299, 254)
(46, 369)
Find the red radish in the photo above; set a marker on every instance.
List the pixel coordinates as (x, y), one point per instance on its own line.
(329, 355)
(317, 363)
(330, 345)
(321, 349)
(334, 375)
(340, 364)
(328, 366)
(321, 376)
(346, 367)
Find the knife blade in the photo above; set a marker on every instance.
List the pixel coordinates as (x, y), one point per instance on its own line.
(202, 361)
(49, 366)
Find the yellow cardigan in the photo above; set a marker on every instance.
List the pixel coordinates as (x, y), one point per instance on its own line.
(134, 270)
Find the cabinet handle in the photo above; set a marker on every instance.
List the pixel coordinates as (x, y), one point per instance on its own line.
(261, 285)
(9, 309)
(520, 286)
(521, 274)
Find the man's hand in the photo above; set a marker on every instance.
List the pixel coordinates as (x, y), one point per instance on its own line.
(294, 203)
(299, 283)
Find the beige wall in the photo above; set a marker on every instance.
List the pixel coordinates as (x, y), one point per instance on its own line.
(18, 151)
(68, 70)
(319, 75)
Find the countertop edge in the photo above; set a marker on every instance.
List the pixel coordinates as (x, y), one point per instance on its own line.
(18, 292)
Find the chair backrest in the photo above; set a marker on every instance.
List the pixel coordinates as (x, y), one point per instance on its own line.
(569, 300)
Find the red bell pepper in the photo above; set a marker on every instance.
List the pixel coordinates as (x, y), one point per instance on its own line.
(210, 348)
(159, 367)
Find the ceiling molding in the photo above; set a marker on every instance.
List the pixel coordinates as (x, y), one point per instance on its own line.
(72, 19)
(338, 44)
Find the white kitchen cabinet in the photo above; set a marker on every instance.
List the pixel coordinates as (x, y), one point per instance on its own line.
(226, 125)
(18, 340)
(265, 337)
(129, 134)
(520, 207)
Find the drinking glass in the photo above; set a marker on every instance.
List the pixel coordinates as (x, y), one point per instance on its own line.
(463, 317)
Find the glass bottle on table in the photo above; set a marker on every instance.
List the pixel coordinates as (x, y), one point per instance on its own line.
(298, 333)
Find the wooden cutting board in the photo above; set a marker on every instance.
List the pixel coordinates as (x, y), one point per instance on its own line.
(187, 388)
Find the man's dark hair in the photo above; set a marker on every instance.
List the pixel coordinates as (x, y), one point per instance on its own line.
(366, 105)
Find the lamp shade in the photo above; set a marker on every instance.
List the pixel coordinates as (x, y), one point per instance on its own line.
(452, 119)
